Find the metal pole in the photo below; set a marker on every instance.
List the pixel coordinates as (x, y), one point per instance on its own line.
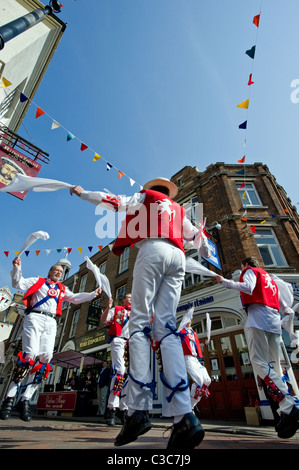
(18, 26)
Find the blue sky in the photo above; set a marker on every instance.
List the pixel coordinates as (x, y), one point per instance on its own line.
(153, 86)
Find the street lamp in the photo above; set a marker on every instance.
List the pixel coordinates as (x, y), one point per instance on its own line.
(18, 26)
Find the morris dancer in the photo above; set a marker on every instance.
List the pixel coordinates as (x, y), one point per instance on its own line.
(260, 297)
(118, 319)
(193, 355)
(43, 300)
(157, 225)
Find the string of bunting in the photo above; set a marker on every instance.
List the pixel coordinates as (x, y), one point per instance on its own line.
(58, 250)
(69, 135)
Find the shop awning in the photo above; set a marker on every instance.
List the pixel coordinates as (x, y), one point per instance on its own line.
(71, 359)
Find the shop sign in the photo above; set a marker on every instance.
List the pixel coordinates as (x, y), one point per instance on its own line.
(196, 303)
(92, 340)
(63, 401)
(214, 258)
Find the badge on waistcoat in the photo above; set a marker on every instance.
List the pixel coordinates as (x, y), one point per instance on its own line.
(52, 292)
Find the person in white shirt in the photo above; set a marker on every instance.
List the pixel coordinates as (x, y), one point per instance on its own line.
(157, 226)
(118, 320)
(261, 299)
(43, 299)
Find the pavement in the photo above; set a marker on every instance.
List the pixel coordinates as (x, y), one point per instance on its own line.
(92, 433)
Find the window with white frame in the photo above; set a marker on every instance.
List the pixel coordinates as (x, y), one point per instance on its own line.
(192, 279)
(124, 260)
(83, 283)
(269, 247)
(74, 322)
(248, 194)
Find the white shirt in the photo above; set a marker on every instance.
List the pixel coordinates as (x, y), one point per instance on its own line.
(259, 316)
(50, 306)
(132, 203)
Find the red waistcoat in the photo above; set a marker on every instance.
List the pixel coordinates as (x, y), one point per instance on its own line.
(265, 291)
(35, 287)
(186, 343)
(117, 322)
(157, 217)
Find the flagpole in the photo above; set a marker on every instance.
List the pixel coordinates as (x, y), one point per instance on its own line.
(20, 25)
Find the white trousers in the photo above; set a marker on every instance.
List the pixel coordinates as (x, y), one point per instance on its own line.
(118, 366)
(38, 340)
(264, 348)
(198, 374)
(157, 278)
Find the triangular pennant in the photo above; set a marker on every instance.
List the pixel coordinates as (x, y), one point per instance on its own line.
(245, 226)
(5, 83)
(27, 252)
(263, 222)
(55, 125)
(23, 98)
(242, 185)
(132, 182)
(48, 252)
(83, 147)
(110, 246)
(17, 253)
(242, 160)
(243, 125)
(244, 195)
(90, 248)
(244, 104)
(69, 250)
(244, 219)
(39, 112)
(6, 253)
(256, 20)
(120, 174)
(287, 211)
(251, 52)
(59, 250)
(37, 252)
(250, 82)
(253, 229)
(80, 249)
(96, 157)
(109, 166)
(69, 136)
(100, 247)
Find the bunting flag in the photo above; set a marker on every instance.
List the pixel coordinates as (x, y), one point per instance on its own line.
(83, 147)
(55, 125)
(243, 105)
(109, 166)
(5, 83)
(96, 157)
(23, 98)
(44, 236)
(39, 112)
(256, 20)
(70, 136)
(251, 52)
(242, 160)
(120, 175)
(243, 125)
(250, 82)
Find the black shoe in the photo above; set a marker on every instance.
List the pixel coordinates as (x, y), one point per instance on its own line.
(111, 418)
(186, 434)
(24, 409)
(288, 424)
(6, 408)
(121, 415)
(135, 425)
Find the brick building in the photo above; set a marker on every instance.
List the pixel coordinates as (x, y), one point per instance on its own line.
(247, 214)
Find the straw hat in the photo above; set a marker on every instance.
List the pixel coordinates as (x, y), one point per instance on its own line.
(173, 190)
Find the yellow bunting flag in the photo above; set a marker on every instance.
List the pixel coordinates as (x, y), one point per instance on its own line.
(17, 253)
(80, 249)
(263, 222)
(5, 83)
(244, 195)
(96, 157)
(244, 105)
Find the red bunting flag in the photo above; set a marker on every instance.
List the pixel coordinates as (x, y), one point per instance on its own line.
(256, 20)
(83, 147)
(250, 82)
(39, 112)
(6, 253)
(242, 160)
(69, 250)
(37, 252)
(253, 229)
(242, 185)
(100, 247)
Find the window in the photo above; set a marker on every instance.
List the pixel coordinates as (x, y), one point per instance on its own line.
(269, 247)
(102, 267)
(83, 283)
(124, 260)
(75, 322)
(248, 195)
(192, 279)
(121, 292)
